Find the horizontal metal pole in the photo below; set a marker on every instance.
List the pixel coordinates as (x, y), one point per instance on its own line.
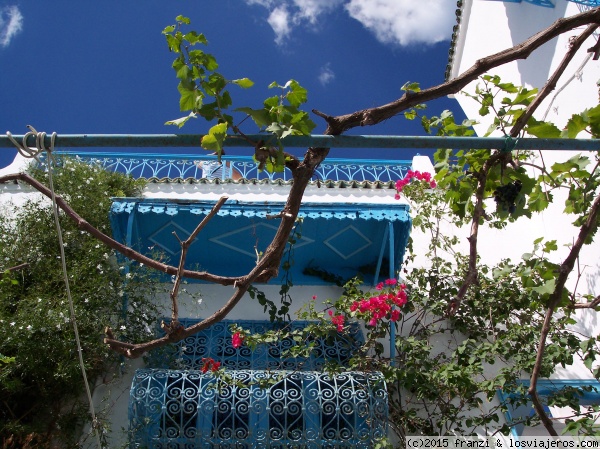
(193, 140)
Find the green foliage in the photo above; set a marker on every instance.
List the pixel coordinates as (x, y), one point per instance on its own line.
(40, 379)
(199, 82)
(448, 365)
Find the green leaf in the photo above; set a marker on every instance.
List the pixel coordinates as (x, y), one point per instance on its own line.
(525, 96)
(181, 121)
(297, 94)
(543, 130)
(183, 19)
(547, 288)
(575, 125)
(190, 98)
(244, 83)
(261, 117)
(411, 87)
(213, 141)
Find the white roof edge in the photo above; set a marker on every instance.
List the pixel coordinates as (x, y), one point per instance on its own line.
(459, 45)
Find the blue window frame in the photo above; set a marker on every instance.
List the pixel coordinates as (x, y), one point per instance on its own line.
(519, 408)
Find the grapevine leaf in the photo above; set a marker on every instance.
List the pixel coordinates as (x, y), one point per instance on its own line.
(297, 94)
(543, 130)
(244, 83)
(213, 141)
(575, 125)
(260, 116)
(181, 121)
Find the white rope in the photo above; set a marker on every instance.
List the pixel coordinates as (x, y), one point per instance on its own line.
(28, 152)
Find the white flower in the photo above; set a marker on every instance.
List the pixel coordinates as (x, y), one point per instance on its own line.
(29, 327)
(123, 328)
(12, 324)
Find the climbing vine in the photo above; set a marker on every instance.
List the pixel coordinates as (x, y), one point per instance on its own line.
(40, 380)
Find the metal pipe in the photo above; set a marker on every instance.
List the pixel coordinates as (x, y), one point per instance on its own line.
(193, 140)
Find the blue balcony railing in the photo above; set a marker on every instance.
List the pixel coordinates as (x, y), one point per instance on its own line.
(186, 167)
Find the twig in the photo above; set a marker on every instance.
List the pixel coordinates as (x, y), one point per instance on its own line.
(587, 305)
(185, 245)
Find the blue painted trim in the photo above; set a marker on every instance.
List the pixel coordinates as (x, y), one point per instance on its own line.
(381, 253)
(353, 211)
(546, 387)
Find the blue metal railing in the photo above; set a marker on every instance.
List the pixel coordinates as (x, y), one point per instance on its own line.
(196, 166)
(257, 409)
(267, 399)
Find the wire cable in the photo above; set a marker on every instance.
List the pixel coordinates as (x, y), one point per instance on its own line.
(28, 152)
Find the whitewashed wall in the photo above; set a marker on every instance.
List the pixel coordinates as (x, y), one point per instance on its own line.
(491, 26)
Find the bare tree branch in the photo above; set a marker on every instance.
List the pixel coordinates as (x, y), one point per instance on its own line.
(551, 83)
(338, 124)
(564, 271)
(111, 243)
(587, 305)
(185, 245)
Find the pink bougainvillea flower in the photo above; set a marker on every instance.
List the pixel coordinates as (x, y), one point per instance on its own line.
(338, 321)
(425, 176)
(379, 286)
(395, 315)
(391, 282)
(237, 340)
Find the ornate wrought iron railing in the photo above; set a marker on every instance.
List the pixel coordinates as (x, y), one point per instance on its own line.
(216, 343)
(185, 167)
(267, 399)
(257, 409)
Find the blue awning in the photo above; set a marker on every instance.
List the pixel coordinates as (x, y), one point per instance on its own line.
(342, 239)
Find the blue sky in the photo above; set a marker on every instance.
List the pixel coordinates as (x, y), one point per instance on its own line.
(104, 67)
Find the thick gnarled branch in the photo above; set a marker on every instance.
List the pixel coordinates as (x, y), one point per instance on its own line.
(266, 268)
(338, 124)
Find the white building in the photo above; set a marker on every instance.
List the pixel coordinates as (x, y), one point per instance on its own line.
(485, 27)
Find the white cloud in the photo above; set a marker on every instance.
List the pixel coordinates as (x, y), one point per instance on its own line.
(11, 23)
(405, 22)
(312, 9)
(284, 15)
(395, 22)
(326, 75)
(279, 20)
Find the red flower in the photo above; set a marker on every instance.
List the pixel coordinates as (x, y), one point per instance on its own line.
(210, 364)
(237, 340)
